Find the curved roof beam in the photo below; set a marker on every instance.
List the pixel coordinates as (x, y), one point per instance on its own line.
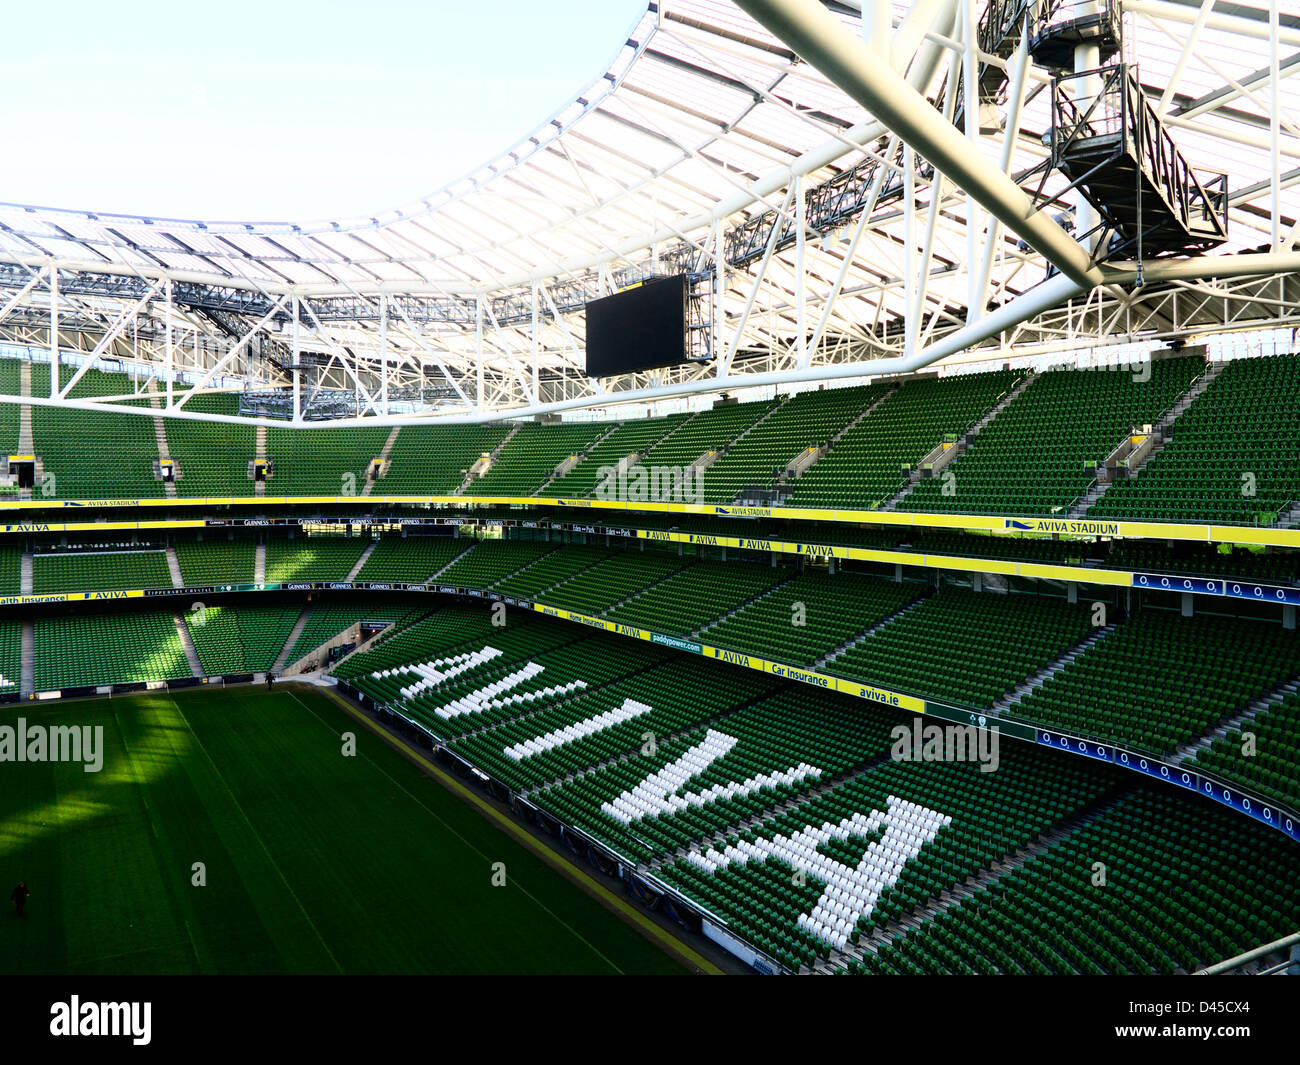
(847, 61)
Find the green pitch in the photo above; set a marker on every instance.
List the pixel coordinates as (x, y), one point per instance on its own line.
(314, 862)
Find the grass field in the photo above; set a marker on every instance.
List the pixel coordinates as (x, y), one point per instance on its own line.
(315, 862)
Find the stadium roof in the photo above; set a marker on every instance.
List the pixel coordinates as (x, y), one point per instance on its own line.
(703, 125)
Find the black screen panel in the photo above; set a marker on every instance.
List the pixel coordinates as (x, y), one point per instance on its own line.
(640, 329)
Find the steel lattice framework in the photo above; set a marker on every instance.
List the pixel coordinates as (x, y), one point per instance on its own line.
(813, 166)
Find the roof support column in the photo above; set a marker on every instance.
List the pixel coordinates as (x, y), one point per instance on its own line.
(383, 353)
(911, 283)
(169, 358)
(1275, 117)
(297, 356)
(536, 396)
(877, 23)
(478, 349)
(54, 331)
(802, 354)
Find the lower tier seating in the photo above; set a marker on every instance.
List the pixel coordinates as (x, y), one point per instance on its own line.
(240, 639)
(1159, 883)
(93, 649)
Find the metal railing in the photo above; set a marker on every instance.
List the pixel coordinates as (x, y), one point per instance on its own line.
(1121, 110)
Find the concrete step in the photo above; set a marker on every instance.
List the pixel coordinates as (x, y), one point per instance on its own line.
(160, 435)
(848, 645)
(1238, 720)
(27, 682)
(1161, 429)
(187, 642)
(384, 452)
(259, 487)
(492, 458)
(698, 633)
(964, 442)
(442, 569)
(1032, 684)
(282, 658)
(174, 567)
(580, 459)
(370, 550)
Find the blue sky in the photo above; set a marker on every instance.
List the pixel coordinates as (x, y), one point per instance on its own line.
(282, 109)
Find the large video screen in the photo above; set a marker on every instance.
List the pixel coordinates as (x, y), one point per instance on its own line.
(639, 329)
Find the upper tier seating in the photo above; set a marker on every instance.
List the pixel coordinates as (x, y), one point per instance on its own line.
(435, 459)
(10, 413)
(1234, 456)
(806, 420)
(530, 457)
(706, 430)
(630, 438)
(866, 465)
(1031, 458)
(93, 455)
(211, 457)
(327, 462)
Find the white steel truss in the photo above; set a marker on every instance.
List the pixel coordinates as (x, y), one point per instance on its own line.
(846, 218)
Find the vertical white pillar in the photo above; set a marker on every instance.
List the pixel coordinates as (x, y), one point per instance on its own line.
(54, 332)
(1275, 117)
(478, 350)
(169, 347)
(297, 352)
(1087, 57)
(802, 354)
(536, 345)
(383, 352)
